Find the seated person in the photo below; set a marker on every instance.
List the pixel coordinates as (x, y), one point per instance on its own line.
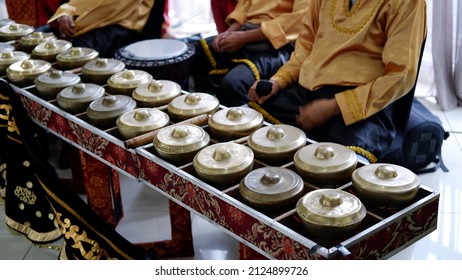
(257, 42)
(349, 65)
(104, 26)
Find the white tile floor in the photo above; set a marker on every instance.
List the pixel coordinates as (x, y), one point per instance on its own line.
(146, 214)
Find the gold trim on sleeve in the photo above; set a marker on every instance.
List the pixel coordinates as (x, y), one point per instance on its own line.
(285, 76)
(354, 105)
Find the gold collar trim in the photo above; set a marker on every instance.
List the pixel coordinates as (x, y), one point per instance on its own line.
(350, 13)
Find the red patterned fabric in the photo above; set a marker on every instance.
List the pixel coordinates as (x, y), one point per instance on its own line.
(181, 244)
(22, 11)
(102, 188)
(220, 10)
(45, 9)
(247, 253)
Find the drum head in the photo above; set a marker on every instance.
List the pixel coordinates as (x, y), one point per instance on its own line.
(164, 59)
(156, 49)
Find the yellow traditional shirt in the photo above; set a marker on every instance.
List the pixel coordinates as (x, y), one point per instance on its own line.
(375, 47)
(92, 14)
(280, 20)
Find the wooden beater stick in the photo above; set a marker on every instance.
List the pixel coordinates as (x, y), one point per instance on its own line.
(148, 137)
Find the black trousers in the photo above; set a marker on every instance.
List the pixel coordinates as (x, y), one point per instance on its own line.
(231, 77)
(105, 40)
(374, 134)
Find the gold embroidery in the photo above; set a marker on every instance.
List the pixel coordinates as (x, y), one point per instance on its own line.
(351, 30)
(219, 71)
(72, 232)
(64, 9)
(265, 114)
(3, 97)
(31, 234)
(12, 126)
(354, 105)
(213, 63)
(251, 65)
(81, 219)
(25, 195)
(7, 109)
(285, 76)
(208, 53)
(14, 139)
(368, 155)
(350, 106)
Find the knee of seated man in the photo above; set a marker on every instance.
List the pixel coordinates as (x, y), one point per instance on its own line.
(232, 92)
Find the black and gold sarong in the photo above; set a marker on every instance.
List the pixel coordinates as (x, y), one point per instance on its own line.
(39, 204)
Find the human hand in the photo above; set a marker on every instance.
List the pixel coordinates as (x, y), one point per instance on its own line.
(232, 42)
(229, 41)
(317, 112)
(253, 95)
(66, 27)
(217, 41)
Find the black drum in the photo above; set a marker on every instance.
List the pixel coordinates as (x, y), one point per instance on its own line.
(164, 59)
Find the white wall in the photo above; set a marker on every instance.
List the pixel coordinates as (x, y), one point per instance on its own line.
(3, 12)
(189, 17)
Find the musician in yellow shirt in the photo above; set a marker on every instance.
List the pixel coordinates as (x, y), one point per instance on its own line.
(259, 39)
(103, 25)
(351, 62)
